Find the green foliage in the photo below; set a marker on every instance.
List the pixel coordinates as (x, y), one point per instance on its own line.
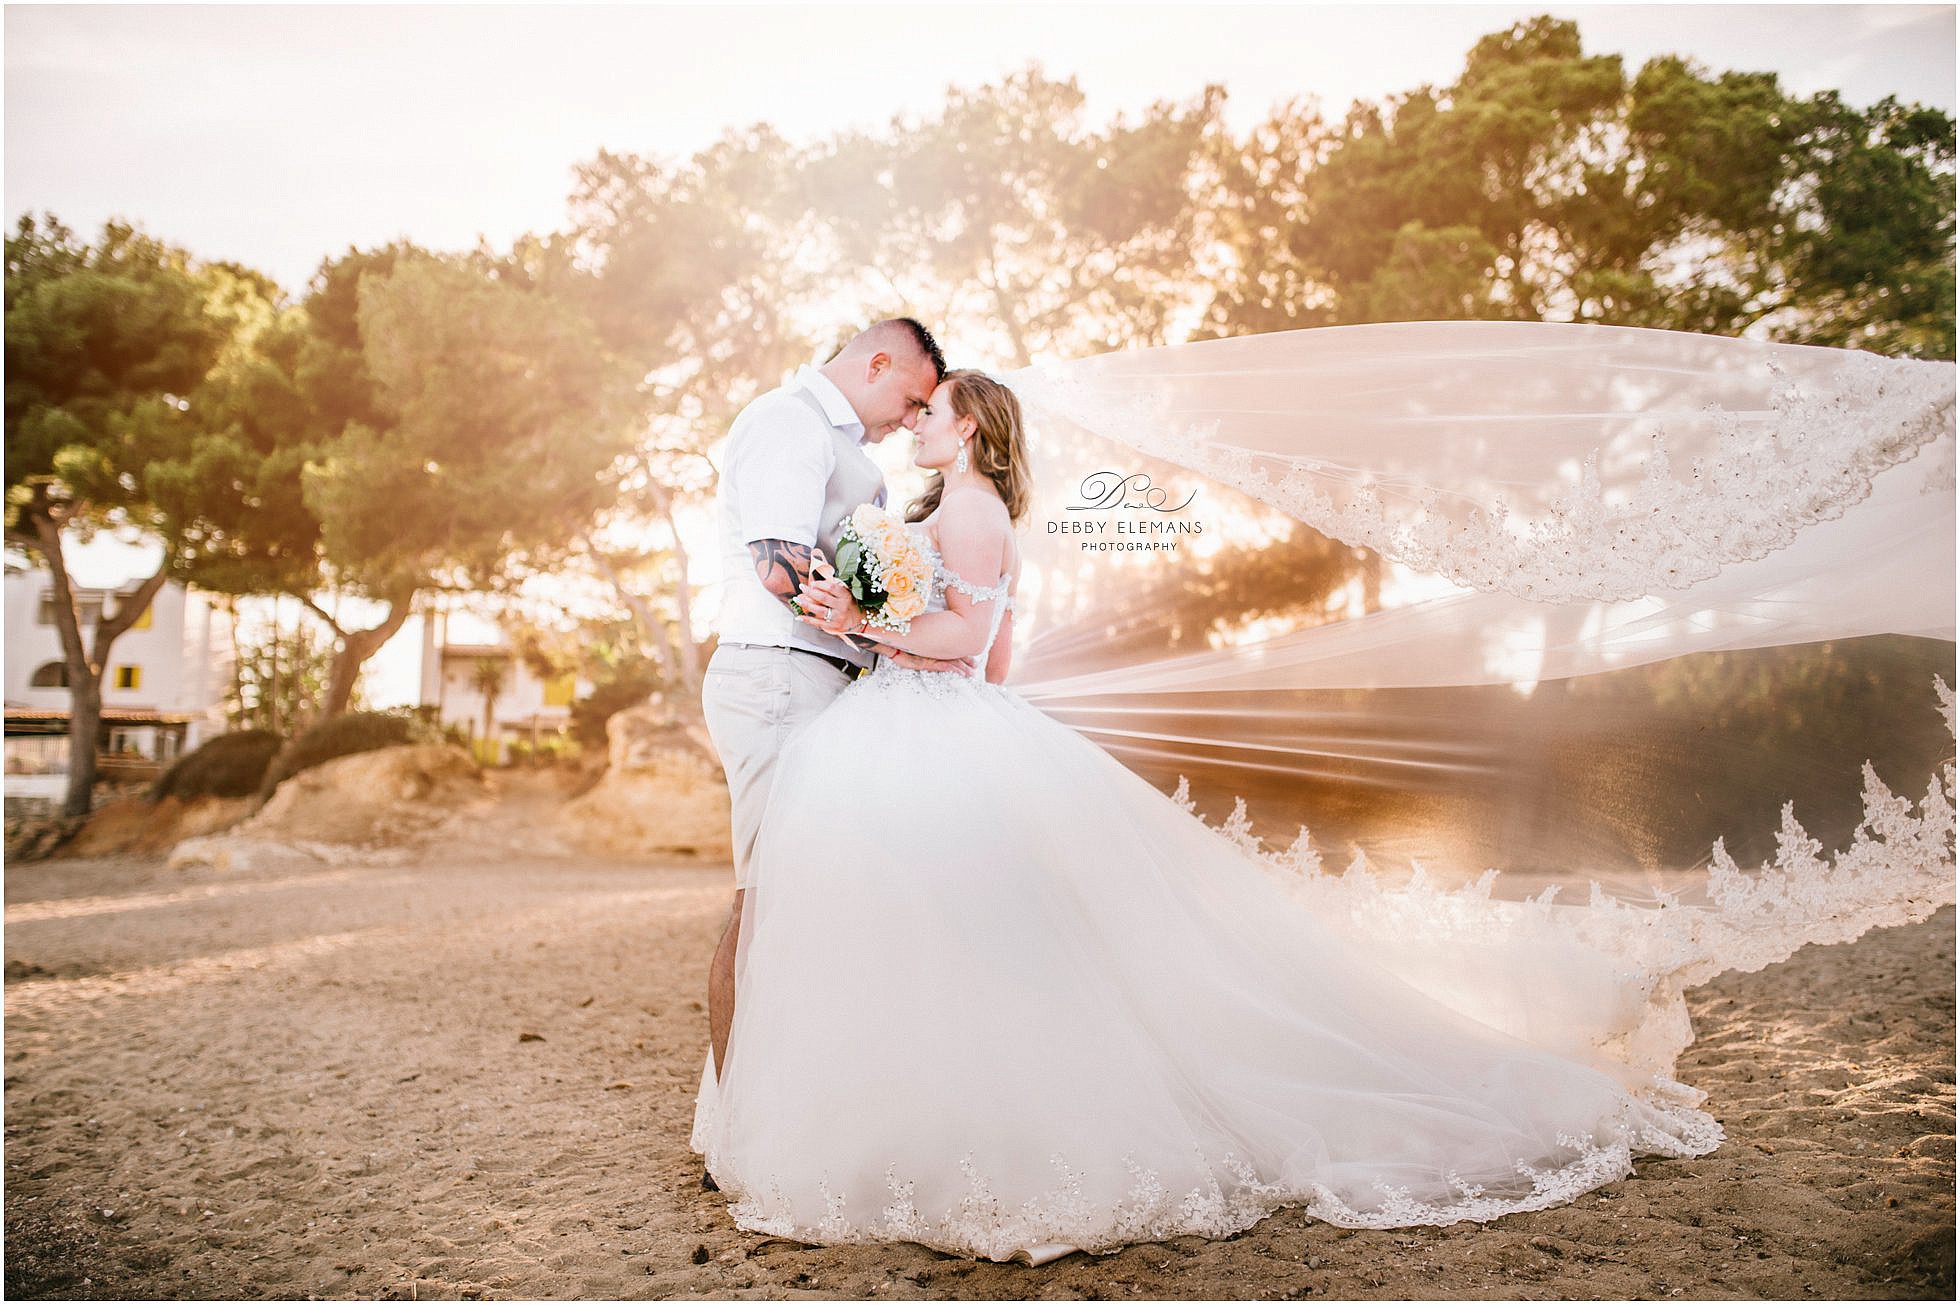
(501, 421)
(489, 675)
(1006, 212)
(230, 765)
(110, 351)
(1545, 184)
(1875, 269)
(691, 273)
(617, 685)
(551, 750)
(246, 440)
(280, 685)
(344, 735)
(102, 339)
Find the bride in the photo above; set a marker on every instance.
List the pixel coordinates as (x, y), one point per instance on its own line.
(1001, 997)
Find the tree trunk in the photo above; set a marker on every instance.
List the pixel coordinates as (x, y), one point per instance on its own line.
(235, 712)
(85, 666)
(690, 654)
(355, 648)
(277, 688)
(84, 681)
(84, 733)
(1008, 319)
(656, 635)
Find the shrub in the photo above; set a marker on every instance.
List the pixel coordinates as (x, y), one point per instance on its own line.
(230, 765)
(344, 735)
(557, 749)
(550, 750)
(629, 687)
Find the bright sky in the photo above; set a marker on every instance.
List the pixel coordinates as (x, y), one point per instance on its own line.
(279, 135)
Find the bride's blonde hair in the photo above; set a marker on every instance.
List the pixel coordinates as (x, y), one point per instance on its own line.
(998, 448)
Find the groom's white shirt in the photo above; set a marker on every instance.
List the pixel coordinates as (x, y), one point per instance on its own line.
(776, 477)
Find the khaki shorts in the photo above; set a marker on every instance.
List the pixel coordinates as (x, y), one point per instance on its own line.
(754, 699)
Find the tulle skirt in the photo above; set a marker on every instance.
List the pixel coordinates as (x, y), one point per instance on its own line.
(999, 996)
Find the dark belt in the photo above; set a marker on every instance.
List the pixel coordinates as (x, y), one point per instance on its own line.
(851, 669)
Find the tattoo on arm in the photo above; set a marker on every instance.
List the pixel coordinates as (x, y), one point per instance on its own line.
(782, 566)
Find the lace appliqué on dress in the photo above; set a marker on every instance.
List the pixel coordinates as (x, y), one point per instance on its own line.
(946, 579)
(892, 678)
(945, 685)
(1229, 1200)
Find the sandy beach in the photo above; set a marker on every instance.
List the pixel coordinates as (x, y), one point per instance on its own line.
(472, 1077)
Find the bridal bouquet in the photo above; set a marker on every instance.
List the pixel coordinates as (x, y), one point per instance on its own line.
(882, 564)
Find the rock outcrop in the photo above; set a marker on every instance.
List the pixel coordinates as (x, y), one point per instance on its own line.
(663, 793)
(374, 807)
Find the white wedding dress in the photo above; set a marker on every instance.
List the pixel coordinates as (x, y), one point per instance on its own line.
(998, 995)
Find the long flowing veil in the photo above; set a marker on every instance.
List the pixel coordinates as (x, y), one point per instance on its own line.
(1532, 632)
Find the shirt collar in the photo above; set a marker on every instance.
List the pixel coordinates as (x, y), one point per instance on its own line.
(835, 406)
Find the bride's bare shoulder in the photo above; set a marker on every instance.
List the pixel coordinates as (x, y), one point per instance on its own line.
(975, 532)
(971, 509)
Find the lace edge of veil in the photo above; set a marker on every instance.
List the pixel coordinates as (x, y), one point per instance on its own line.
(1750, 497)
(1898, 869)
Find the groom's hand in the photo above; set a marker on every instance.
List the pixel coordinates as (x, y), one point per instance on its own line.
(964, 665)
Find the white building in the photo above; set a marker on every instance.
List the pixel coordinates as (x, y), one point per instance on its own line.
(457, 682)
(162, 692)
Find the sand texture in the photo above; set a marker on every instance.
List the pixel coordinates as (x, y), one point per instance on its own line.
(471, 1076)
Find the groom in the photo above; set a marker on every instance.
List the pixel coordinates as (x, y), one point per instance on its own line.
(793, 470)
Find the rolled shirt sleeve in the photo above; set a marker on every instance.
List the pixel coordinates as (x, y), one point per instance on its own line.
(777, 472)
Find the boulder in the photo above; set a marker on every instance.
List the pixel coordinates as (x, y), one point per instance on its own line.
(663, 792)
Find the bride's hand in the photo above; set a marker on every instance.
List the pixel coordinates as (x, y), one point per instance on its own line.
(840, 626)
(868, 633)
(828, 605)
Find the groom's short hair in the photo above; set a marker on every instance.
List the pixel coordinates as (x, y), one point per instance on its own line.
(901, 332)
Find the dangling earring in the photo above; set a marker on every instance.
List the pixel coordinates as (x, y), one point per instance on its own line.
(960, 463)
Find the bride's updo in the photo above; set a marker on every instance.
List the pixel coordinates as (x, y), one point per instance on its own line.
(998, 448)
